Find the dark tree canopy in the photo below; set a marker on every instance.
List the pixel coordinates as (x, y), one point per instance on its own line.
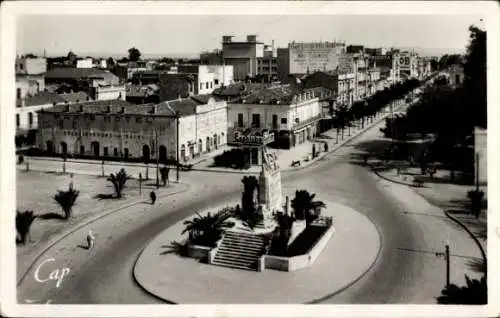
(134, 54)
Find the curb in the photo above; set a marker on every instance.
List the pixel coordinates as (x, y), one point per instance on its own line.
(86, 222)
(394, 181)
(314, 301)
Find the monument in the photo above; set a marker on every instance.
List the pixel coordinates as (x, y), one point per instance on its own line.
(270, 193)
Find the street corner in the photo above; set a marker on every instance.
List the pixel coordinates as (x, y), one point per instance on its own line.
(351, 251)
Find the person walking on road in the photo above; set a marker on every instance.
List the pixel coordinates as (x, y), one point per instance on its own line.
(153, 197)
(90, 240)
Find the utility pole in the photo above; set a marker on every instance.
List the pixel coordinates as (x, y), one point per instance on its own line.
(156, 147)
(177, 115)
(446, 256)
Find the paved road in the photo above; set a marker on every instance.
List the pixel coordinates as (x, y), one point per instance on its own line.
(104, 275)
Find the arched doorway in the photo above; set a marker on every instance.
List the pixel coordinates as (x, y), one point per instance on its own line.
(146, 153)
(64, 148)
(95, 148)
(208, 144)
(50, 146)
(215, 141)
(200, 146)
(163, 154)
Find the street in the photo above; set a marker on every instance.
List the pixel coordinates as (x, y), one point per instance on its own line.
(401, 274)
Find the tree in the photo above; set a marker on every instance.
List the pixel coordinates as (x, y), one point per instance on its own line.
(474, 293)
(66, 200)
(304, 206)
(119, 180)
(341, 115)
(110, 62)
(475, 77)
(207, 230)
(134, 54)
(23, 224)
(281, 236)
(164, 172)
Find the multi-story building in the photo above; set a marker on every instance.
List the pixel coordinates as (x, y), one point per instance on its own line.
(118, 129)
(76, 76)
(340, 82)
(307, 58)
(30, 66)
(408, 64)
(187, 80)
(107, 92)
(249, 58)
(84, 63)
(292, 117)
(211, 58)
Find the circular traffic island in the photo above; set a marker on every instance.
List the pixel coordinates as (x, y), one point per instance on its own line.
(343, 253)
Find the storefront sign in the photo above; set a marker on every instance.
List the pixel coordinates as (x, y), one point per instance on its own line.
(255, 140)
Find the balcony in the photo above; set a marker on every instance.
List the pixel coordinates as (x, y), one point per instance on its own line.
(304, 123)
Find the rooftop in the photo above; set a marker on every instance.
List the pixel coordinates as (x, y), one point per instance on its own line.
(74, 97)
(276, 95)
(43, 98)
(185, 107)
(76, 73)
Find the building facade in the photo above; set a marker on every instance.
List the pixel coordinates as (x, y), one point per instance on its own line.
(307, 58)
(31, 66)
(85, 63)
(117, 129)
(243, 56)
(292, 117)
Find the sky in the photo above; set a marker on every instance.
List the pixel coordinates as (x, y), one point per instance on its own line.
(177, 35)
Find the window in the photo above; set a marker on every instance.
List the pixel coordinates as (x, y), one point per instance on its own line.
(106, 151)
(206, 85)
(216, 81)
(201, 85)
(283, 120)
(18, 93)
(240, 120)
(18, 123)
(275, 121)
(211, 85)
(255, 120)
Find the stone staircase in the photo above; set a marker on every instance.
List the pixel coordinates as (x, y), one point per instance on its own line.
(239, 250)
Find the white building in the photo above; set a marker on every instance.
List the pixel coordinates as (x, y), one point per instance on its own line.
(84, 63)
(292, 117)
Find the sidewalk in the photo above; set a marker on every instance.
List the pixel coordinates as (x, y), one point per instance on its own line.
(48, 229)
(302, 152)
(187, 281)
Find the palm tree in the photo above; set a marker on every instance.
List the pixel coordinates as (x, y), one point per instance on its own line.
(474, 293)
(207, 230)
(118, 180)
(305, 207)
(66, 200)
(23, 224)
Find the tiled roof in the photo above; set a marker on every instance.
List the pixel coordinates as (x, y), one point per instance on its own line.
(94, 107)
(75, 97)
(75, 73)
(283, 94)
(133, 90)
(43, 98)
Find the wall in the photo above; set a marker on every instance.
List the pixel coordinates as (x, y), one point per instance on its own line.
(85, 63)
(224, 74)
(310, 57)
(31, 66)
(205, 80)
(283, 61)
(289, 264)
(24, 112)
(113, 131)
(110, 92)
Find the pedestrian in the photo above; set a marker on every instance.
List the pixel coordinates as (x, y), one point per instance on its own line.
(153, 197)
(90, 240)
